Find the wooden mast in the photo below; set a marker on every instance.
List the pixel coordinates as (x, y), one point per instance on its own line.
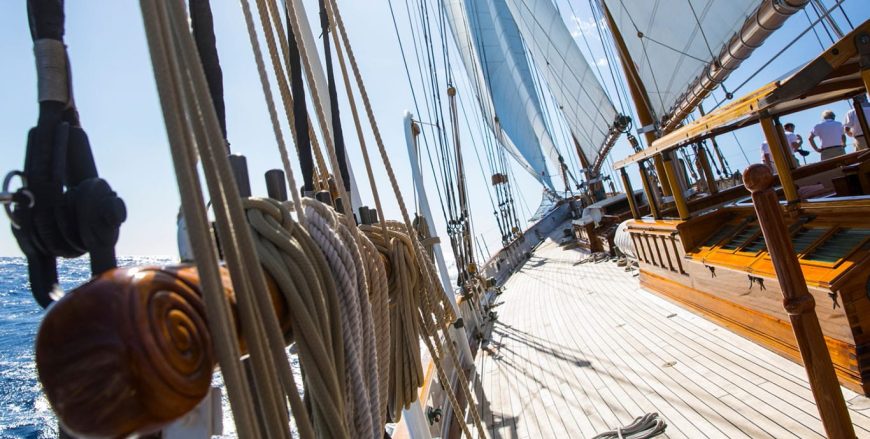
(640, 98)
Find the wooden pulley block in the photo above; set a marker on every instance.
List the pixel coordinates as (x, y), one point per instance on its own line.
(130, 351)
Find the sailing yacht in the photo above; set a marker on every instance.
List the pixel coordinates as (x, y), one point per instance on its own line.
(695, 306)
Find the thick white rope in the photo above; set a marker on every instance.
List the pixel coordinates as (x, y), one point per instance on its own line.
(378, 285)
(349, 272)
(299, 269)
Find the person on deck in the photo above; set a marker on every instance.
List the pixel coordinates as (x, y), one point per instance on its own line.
(766, 157)
(830, 132)
(795, 141)
(852, 127)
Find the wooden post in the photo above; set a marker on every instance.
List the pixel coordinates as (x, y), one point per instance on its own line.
(648, 190)
(862, 119)
(783, 165)
(712, 188)
(676, 187)
(635, 213)
(799, 304)
(662, 173)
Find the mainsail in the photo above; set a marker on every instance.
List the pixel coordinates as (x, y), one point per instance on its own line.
(584, 103)
(492, 51)
(671, 42)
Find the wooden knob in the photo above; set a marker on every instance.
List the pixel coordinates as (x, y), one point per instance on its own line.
(757, 178)
(126, 352)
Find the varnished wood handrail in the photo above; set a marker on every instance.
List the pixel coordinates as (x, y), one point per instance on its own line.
(799, 304)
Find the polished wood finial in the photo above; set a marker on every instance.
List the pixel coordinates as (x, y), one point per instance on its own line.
(131, 351)
(757, 178)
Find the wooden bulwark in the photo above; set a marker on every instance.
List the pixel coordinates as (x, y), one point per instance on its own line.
(579, 349)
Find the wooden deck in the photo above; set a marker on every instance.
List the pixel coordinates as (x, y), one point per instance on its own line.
(579, 349)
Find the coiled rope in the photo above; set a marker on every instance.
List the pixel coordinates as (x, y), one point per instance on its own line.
(342, 254)
(406, 373)
(643, 427)
(426, 265)
(294, 261)
(364, 413)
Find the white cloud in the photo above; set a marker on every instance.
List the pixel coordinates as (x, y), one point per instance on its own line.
(601, 62)
(585, 26)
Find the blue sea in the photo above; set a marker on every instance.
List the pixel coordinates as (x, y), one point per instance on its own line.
(24, 411)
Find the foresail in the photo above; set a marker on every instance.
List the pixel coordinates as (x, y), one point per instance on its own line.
(583, 101)
(494, 58)
(666, 42)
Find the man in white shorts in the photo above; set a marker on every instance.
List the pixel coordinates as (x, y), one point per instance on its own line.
(830, 133)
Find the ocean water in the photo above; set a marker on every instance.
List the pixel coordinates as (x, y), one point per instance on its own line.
(24, 411)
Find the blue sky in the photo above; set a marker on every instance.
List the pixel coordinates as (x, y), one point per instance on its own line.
(117, 99)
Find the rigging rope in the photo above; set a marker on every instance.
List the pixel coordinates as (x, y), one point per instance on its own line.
(293, 259)
(338, 243)
(430, 280)
(184, 93)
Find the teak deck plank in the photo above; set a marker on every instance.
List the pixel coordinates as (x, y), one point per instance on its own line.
(579, 349)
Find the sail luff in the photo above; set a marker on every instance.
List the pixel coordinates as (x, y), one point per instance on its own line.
(533, 110)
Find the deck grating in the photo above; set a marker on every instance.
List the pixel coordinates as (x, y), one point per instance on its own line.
(579, 349)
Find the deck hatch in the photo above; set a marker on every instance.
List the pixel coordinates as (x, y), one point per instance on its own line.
(719, 235)
(738, 239)
(756, 245)
(839, 245)
(804, 238)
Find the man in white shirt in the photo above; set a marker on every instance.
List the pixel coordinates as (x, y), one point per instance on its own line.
(852, 127)
(795, 141)
(830, 132)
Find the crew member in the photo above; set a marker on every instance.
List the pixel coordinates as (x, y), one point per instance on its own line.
(852, 127)
(830, 133)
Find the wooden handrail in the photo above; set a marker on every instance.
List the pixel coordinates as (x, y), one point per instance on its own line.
(799, 304)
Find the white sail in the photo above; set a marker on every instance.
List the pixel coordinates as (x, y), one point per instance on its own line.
(583, 101)
(494, 58)
(666, 42)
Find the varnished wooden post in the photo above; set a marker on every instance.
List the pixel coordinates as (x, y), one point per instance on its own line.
(648, 190)
(712, 188)
(629, 191)
(676, 187)
(662, 173)
(783, 165)
(799, 304)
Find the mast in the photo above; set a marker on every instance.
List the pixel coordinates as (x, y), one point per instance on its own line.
(458, 333)
(642, 105)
